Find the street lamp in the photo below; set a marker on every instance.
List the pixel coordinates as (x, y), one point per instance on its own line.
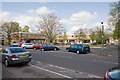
(102, 36)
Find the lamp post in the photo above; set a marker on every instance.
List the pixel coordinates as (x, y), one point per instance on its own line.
(102, 36)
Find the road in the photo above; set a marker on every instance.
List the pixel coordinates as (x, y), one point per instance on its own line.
(62, 64)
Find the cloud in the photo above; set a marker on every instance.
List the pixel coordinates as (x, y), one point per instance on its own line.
(42, 11)
(82, 18)
(79, 20)
(5, 16)
(27, 20)
(24, 20)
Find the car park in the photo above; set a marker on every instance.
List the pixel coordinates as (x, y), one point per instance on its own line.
(112, 74)
(27, 45)
(78, 48)
(15, 55)
(48, 47)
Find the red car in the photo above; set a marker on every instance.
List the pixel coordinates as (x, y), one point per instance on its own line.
(36, 46)
(20, 44)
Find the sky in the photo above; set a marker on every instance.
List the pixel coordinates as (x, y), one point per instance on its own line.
(73, 15)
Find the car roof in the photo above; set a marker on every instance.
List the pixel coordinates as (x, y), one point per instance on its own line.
(28, 43)
(15, 47)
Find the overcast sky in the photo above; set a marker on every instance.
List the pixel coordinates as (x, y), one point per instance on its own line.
(74, 15)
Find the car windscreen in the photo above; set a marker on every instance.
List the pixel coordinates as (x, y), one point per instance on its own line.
(17, 50)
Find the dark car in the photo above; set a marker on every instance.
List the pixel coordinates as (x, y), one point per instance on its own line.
(78, 48)
(15, 55)
(112, 74)
(48, 47)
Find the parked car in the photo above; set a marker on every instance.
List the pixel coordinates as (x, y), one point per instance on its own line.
(36, 46)
(48, 47)
(20, 44)
(112, 74)
(78, 48)
(27, 45)
(14, 45)
(15, 55)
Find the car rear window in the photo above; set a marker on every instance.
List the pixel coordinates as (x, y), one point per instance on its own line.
(115, 74)
(17, 50)
(29, 44)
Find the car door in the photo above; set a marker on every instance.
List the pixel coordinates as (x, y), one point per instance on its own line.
(74, 47)
(71, 48)
(79, 47)
(52, 47)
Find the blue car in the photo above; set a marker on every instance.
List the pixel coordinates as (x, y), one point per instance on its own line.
(14, 45)
(44, 47)
(78, 48)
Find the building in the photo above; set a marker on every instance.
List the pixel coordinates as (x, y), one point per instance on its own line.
(74, 39)
(19, 36)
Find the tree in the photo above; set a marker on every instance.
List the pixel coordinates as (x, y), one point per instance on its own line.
(97, 35)
(26, 29)
(115, 18)
(92, 35)
(51, 26)
(116, 32)
(80, 34)
(8, 28)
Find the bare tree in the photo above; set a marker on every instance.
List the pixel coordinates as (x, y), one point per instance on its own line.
(8, 28)
(80, 34)
(51, 26)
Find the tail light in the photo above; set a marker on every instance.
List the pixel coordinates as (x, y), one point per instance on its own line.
(13, 56)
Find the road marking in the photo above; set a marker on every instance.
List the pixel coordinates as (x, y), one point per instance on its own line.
(51, 71)
(105, 61)
(90, 75)
(56, 66)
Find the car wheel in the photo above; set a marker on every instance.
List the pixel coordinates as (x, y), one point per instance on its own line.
(42, 49)
(67, 50)
(7, 63)
(55, 49)
(78, 52)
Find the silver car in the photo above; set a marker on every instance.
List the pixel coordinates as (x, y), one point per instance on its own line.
(15, 55)
(27, 45)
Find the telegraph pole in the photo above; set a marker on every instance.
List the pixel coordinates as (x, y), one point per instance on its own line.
(102, 36)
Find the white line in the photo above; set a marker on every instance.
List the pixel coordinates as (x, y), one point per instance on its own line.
(51, 71)
(56, 66)
(90, 75)
(105, 62)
